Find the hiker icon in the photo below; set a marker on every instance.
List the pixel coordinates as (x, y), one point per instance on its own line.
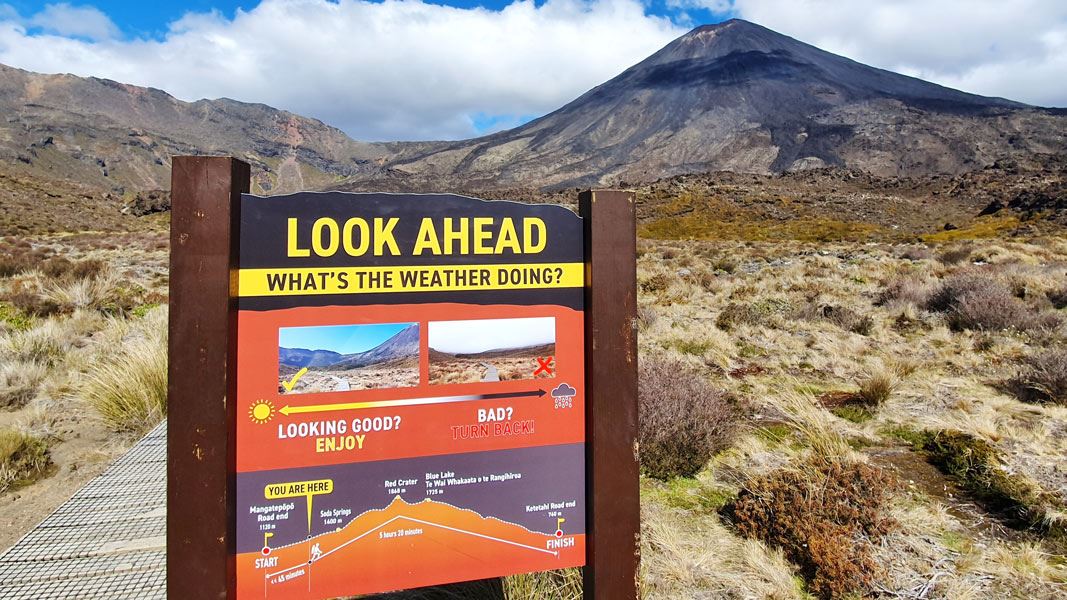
(316, 552)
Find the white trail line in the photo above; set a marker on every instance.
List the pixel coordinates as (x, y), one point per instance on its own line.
(370, 531)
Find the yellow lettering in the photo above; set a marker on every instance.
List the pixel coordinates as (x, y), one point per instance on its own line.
(528, 226)
(481, 235)
(383, 236)
(427, 238)
(509, 238)
(359, 440)
(452, 235)
(316, 237)
(364, 236)
(294, 249)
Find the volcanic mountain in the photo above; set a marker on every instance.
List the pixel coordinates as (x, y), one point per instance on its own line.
(728, 97)
(739, 97)
(402, 345)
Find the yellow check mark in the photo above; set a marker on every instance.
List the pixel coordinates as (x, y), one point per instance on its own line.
(292, 382)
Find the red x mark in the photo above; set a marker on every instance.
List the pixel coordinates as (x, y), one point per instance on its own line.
(544, 364)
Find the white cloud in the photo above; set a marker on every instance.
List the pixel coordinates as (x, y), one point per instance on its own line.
(1014, 49)
(471, 337)
(78, 21)
(398, 69)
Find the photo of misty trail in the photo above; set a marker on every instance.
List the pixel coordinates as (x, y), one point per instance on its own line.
(491, 350)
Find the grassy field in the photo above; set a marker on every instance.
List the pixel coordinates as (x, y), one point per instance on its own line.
(940, 370)
(838, 415)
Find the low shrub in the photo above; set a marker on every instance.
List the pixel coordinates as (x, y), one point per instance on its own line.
(14, 319)
(954, 256)
(823, 517)
(1044, 376)
(908, 289)
(684, 420)
(703, 278)
(977, 302)
(989, 309)
(1058, 297)
(646, 316)
(948, 293)
(656, 283)
(20, 257)
(31, 303)
(750, 313)
(916, 253)
(842, 317)
(735, 314)
(23, 459)
(13, 264)
(725, 264)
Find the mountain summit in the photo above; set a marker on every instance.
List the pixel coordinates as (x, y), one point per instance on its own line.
(738, 96)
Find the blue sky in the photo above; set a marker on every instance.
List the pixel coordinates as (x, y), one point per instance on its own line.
(141, 18)
(151, 19)
(344, 339)
(416, 70)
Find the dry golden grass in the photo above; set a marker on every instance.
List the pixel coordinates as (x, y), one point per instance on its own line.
(127, 383)
(472, 370)
(23, 458)
(914, 369)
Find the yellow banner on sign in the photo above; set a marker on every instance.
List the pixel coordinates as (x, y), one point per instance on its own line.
(429, 278)
(295, 489)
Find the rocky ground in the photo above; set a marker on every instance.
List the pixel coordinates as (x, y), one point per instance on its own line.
(399, 373)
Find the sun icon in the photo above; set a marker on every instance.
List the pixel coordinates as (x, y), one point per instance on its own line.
(261, 411)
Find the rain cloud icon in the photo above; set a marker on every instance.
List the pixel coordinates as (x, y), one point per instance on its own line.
(563, 390)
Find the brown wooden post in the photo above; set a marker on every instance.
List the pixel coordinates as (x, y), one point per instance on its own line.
(613, 522)
(205, 212)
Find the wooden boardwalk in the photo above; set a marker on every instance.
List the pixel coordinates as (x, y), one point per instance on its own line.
(107, 541)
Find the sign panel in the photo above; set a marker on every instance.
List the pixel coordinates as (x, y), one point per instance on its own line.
(410, 388)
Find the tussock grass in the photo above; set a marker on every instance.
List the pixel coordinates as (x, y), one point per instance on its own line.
(877, 387)
(814, 426)
(19, 382)
(685, 557)
(128, 384)
(23, 458)
(47, 344)
(562, 584)
(84, 293)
